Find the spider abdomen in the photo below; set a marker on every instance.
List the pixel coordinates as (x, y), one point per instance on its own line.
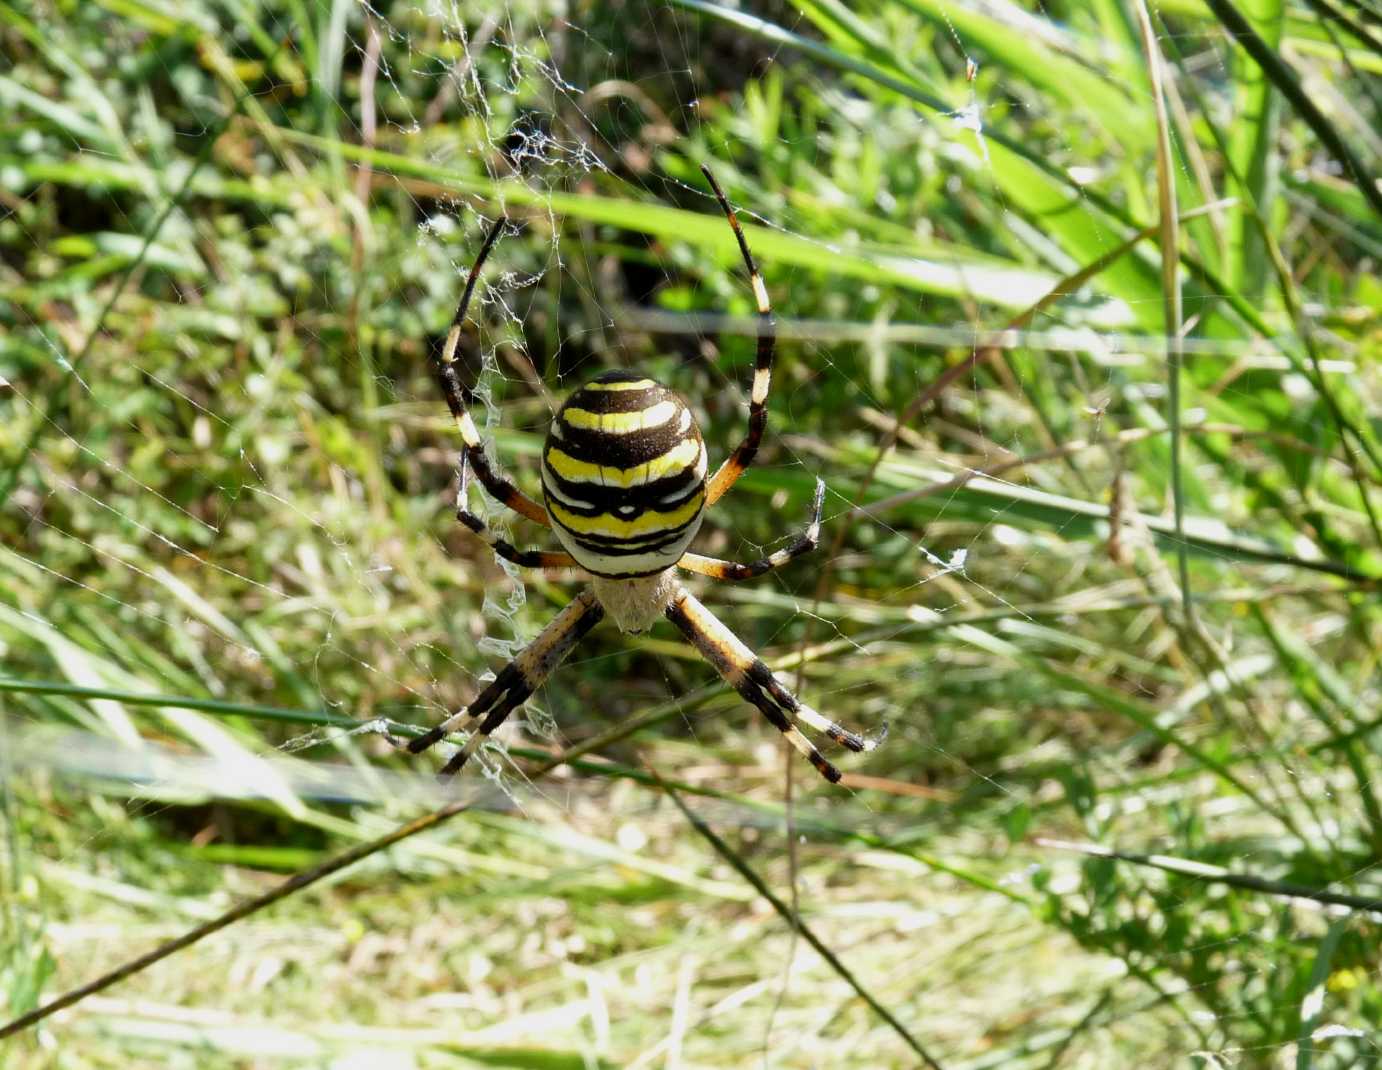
(623, 476)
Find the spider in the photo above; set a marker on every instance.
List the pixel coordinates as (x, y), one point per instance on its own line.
(624, 481)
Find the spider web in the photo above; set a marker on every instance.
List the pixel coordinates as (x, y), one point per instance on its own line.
(240, 493)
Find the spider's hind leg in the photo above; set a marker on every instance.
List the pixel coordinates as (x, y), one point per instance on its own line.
(747, 674)
(517, 680)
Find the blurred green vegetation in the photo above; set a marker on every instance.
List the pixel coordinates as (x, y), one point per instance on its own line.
(231, 235)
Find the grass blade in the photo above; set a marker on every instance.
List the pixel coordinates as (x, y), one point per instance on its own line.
(744, 870)
(1219, 875)
(1285, 80)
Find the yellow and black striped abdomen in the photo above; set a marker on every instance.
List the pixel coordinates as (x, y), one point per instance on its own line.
(623, 475)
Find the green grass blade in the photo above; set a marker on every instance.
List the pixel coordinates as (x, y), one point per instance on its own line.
(1289, 86)
(1251, 151)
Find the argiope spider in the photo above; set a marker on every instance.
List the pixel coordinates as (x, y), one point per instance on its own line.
(624, 480)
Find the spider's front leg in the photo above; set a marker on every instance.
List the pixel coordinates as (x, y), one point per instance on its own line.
(738, 462)
(502, 547)
(804, 543)
(459, 396)
(747, 674)
(517, 680)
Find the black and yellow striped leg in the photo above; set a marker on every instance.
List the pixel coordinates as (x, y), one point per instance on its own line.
(459, 396)
(804, 543)
(734, 466)
(502, 547)
(517, 680)
(747, 674)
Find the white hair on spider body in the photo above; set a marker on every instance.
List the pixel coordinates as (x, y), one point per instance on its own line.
(635, 605)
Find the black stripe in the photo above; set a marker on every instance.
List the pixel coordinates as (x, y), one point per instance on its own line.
(748, 449)
(502, 489)
(515, 697)
(823, 767)
(619, 375)
(642, 544)
(604, 401)
(509, 677)
(457, 394)
(630, 550)
(676, 613)
(593, 616)
(605, 500)
(627, 515)
(621, 451)
(761, 675)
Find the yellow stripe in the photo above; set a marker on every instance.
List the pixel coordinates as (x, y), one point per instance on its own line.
(613, 528)
(620, 423)
(632, 384)
(681, 456)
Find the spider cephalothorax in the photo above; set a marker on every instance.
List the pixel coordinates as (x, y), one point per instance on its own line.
(624, 480)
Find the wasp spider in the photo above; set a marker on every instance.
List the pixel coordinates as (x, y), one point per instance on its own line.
(624, 481)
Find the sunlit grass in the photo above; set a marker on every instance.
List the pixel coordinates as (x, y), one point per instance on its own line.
(230, 565)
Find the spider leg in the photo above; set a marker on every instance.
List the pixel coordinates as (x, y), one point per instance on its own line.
(804, 543)
(747, 674)
(734, 466)
(517, 680)
(459, 396)
(501, 547)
